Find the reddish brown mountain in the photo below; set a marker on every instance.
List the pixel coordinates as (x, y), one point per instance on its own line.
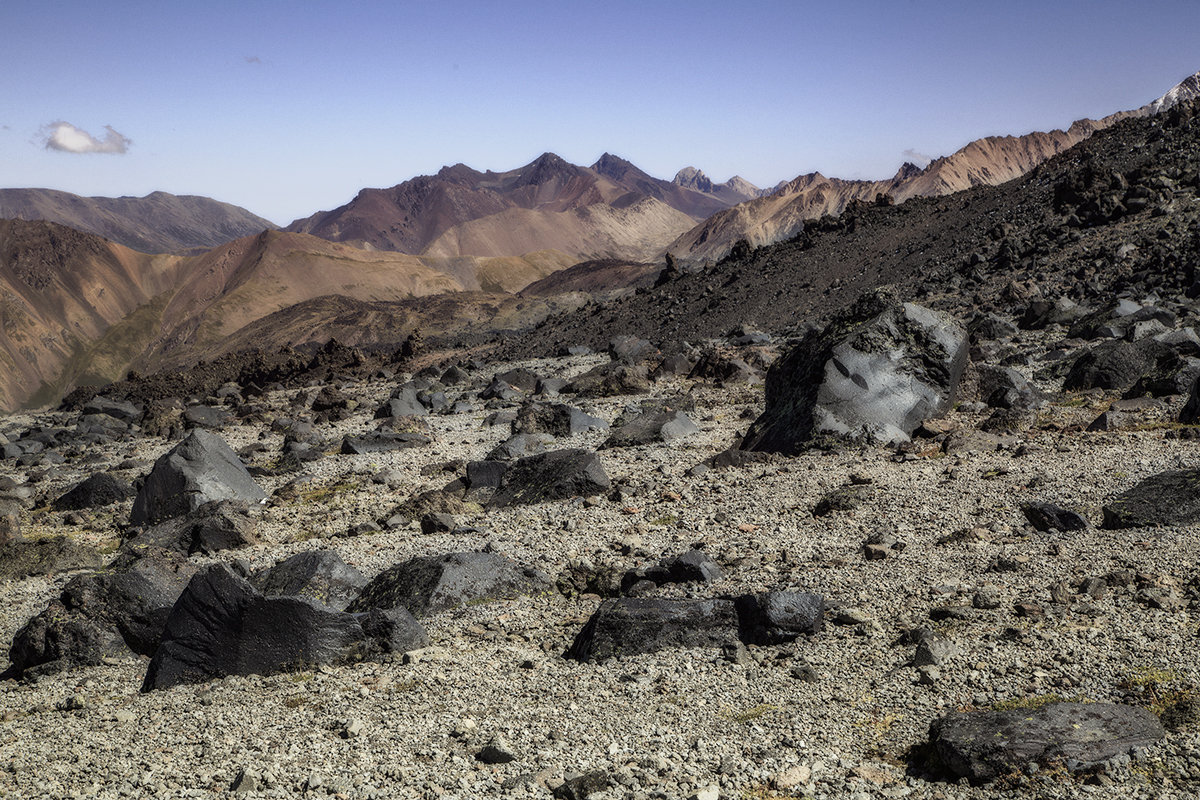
(156, 223)
(600, 211)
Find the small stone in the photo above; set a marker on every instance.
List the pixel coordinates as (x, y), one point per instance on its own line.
(497, 751)
(805, 672)
(792, 777)
(246, 781)
(876, 552)
(987, 597)
(928, 675)
(352, 728)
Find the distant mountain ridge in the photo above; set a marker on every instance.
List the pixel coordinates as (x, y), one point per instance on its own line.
(157, 223)
(991, 160)
(461, 211)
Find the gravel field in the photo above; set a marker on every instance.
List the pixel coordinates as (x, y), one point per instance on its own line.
(834, 715)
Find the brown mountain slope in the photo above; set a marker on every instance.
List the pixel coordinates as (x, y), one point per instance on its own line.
(421, 215)
(156, 223)
(595, 231)
(988, 161)
(60, 290)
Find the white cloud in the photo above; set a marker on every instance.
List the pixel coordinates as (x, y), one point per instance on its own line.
(69, 139)
(253, 60)
(920, 159)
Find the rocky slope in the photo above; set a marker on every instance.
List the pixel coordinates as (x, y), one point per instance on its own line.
(735, 190)
(988, 161)
(156, 223)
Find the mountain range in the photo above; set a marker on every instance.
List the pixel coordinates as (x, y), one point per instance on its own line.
(446, 253)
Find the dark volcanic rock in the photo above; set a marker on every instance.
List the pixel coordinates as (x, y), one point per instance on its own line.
(1116, 365)
(693, 565)
(101, 489)
(556, 420)
(628, 626)
(651, 427)
(1168, 498)
(196, 471)
(556, 475)
(982, 745)
(103, 614)
(875, 374)
(520, 445)
(118, 409)
(772, 618)
(222, 626)
(609, 380)
(431, 584)
(1044, 516)
(319, 575)
(220, 525)
(381, 442)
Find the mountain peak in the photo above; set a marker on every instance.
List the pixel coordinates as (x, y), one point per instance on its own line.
(615, 167)
(692, 178)
(1187, 89)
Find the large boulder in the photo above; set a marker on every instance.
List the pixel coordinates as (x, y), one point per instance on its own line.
(652, 427)
(627, 626)
(215, 526)
(109, 613)
(101, 489)
(222, 626)
(1168, 498)
(320, 575)
(555, 419)
(556, 475)
(983, 745)
(428, 585)
(612, 379)
(874, 374)
(198, 470)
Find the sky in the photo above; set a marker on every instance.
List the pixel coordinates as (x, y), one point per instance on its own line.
(289, 108)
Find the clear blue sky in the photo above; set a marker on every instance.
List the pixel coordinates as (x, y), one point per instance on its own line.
(288, 108)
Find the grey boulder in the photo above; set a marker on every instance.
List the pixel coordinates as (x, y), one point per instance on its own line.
(221, 625)
(874, 375)
(200, 469)
(556, 475)
(319, 575)
(652, 427)
(982, 745)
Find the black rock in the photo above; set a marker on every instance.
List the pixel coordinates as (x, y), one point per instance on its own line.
(771, 618)
(520, 445)
(555, 420)
(196, 471)
(220, 525)
(611, 379)
(693, 565)
(521, 379)
(428, 585)
(222, 626)
(485, 474)
(319, 575)
(1044, 516)
(119, 409)
(404, 402)
(206, 417)
(1115, 365)
(382, 442)
(556, 475)
(631, 625)
(651, 427)
(630, 349)
(1168, 498)
(874, 374)
(101, 489)
(982, 745)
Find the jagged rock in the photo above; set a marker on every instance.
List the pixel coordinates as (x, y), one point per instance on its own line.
(556, 475)
(22, 558)
(610, 380)
(222, 626)
(428, 585)
(631, 625)
(874, 374)
(206, 417)
(933, 649)
(118, 409)
(404, 402)
(104, 614)
(382, 442)
(1044, 516)
(519, 446)
(990, 326)
(651, 427)
(716, 366)
(215, 526)
(771, 618)
(1190, 413)
(485, 474)
(693, 565)
(673, 364)
(1116, 365)
(196, 471)
(630, 349)
(522, 379)
(319, 575)
(982, 745)
(1004, 387)
(1168, 498)
(101, 489)
(555, 420)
